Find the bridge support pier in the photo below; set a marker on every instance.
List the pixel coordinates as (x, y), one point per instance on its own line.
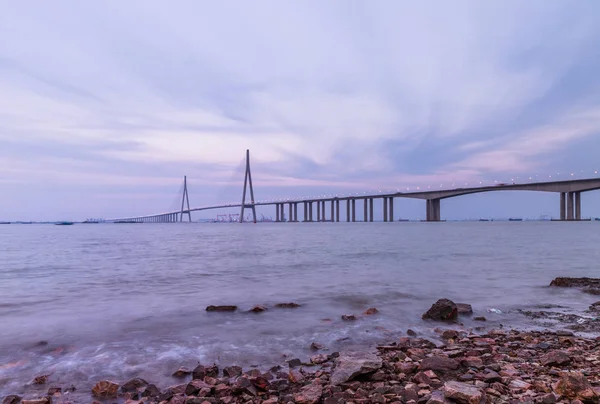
(570, 206)
(433, 210)
(370, 209)
(385, 209)
(318, 211)
(332, 211)
(296, 212)
(391, 202)
(354, 210)
(563, 207)
(366, 212)
(347, 210)
(291, 211)
(337, 210)
(577, 205)
(310, 211)
(276, 212)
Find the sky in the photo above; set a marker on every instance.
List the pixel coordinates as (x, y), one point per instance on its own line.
(105, 106)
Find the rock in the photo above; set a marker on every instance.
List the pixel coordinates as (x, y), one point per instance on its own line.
(150, 391)
(309, 394)
(463, 393)
(315, 346)
(43, 400)
(351, 364)
(464, 308)
(287, 305)
(258, 309)
(319, 359)
(565, 282)
(221, 308)
(54, 390)
(212, 371)
(595, 306)
(294, 363)
(194, 387)
(549, 398)
(437, 397)
(295, 376)
(12, 399)
(575, 386)
(182, 372)
(199, 372)
(450, 334)
(442, 310)
(480, 318)
(41, 379)
(243, 386)
(260, 382)
(439, 363)
(555, 358)
(134, 385)
(348, 317)
(371, 311)
(105, 389)
(232, 371)
(411, 333)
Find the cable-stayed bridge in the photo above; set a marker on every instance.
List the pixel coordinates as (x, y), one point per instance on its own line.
(323, 209)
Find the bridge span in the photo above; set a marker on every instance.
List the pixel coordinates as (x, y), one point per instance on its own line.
(569, 192)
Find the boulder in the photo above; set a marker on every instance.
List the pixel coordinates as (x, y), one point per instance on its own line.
(42, 400)
(463, 393)
(150, 391)
(566, 282)
(134, 385)
(442, 310)
(182, 372)
(439, 363)
(480, 318)
(315, 346)
(41, 379)
(352, 364)
(450, 334)
(290, 305)
(221, 308)
(258, 309)
(232, 371)
(309, 394)
(199, 372)
(105, 389)
(575, 386)
(348, 317)
(555, 358)
(319, 359)
(464, 309)
(437, 397)
(371, 311)
(12, 399)
(54, 390)
(194, 387)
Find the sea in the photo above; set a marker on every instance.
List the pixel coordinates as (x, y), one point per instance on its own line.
(100, 301)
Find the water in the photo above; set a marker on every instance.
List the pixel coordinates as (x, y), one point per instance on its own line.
(118, 301)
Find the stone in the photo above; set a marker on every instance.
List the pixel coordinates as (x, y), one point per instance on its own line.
(105, 389)
(439, 363)
(12, 399)
(309, 394)
(295, 376)
(182, 372)
(348, 317)
(315, 346)
(243, 385)
(442, 310)
(565, 282)
(54, 390)
(464, 308)
(134, 385)
(232, 371)
(260, 383)
(319, 359)
(41, 379)
(437, 397)
(42, 400)
(294, 363)
(463, 393)
(575, 386)
(258, 309)
(150, 391)
(371, 311)
(290, 305)
(555, 358)
(472, 362)
(199, 372)
(195, 386)
(221, 308)
(411, 333)
(351, 364)
(450, 334)
(480, 318)
(549, 398)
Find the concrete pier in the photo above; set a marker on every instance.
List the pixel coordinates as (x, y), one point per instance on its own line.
(277, 213)
(433, 210)
(391, 202)
(366, 214)
(291, 213)
(354, 210)
(563, 206)
(385, 209)
(296, 212)
(570, 206)
(347, 210)
(370, 209)
(577, 205)
(310, 211)
(337, 212)
(332, 210)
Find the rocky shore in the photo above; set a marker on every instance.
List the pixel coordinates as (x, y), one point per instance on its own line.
(470, 367)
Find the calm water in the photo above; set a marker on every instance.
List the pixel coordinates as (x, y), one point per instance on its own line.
(117, 301)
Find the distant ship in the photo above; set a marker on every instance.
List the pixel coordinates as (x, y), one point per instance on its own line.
(4, 222)
(126, 221)
(484, 220)
(64, 223)
(403, 220)
(515, 219)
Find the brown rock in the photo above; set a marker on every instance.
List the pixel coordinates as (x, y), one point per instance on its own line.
(480, 318)
(221, 308)
(315, 346)
(352, 364)
(309, 394)
(437, 397)
(450, 334)
(555, 358)
(348, 317)
(134, 385)
(258, 309)
(54, 390)
(295, 376)
(411, 333)
(574, 385)
(232, 371)
(105, 389)
(319, 359)
(182, 372)
(463, 393)
(472, 362)
(371, 311)
(41, 379)
(287, 305)
(439, 363)
(150, 391)
(42, 400)
(194, 387)
(12, 399)
(464, 308)
(442, 310)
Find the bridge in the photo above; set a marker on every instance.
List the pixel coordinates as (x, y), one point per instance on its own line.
(569, 191)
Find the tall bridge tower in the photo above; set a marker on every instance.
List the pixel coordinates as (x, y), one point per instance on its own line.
(248, 182)
(185, 199)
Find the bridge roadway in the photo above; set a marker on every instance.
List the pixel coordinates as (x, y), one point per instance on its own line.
(569, 190)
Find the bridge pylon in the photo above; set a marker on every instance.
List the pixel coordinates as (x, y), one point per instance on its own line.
(248, 182)
(185, 199)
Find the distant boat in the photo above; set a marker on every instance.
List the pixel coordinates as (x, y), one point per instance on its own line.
(125, 221)
(64, 223)
(515, 219)
(484, 220)
(4, 222)
(403, 220)
(598, 219)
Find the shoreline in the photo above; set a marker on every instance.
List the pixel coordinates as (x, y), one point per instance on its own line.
(496, 366)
